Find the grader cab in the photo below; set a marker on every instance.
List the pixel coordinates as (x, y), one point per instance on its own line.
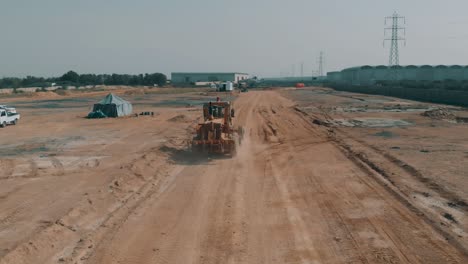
(216, 134)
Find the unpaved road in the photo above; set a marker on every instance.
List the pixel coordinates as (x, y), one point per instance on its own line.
(291, 195)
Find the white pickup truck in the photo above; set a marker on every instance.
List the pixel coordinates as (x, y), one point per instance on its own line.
(8, 109)
(8, 118)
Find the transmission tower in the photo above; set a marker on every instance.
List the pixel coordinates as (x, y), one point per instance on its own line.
(320, 71)
(394, 59)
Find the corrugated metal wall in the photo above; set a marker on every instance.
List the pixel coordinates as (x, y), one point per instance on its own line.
(368, 74)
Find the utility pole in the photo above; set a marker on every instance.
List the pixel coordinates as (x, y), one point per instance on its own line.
(394, 59)
(320, 71)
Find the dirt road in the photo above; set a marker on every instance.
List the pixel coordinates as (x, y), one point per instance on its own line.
(291, 195)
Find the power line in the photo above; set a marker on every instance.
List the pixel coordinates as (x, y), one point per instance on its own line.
(394, 58)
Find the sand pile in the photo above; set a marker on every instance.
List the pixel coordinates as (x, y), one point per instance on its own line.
(179, 118)
(47, 94)
(439, 114)
(136, 91)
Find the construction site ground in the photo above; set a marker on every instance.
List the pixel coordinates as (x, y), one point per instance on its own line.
(321, 177)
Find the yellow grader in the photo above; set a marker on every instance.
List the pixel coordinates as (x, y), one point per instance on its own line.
(216, 134)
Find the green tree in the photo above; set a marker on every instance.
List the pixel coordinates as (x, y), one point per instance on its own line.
(70, 76)
(88, 79)
(155, 78)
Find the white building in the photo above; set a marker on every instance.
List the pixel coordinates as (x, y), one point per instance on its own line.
(197, 77)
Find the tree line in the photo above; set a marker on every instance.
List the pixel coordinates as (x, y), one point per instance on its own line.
(72, 78)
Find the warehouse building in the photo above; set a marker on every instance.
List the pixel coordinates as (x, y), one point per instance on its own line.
(367, 75)
(206, 77)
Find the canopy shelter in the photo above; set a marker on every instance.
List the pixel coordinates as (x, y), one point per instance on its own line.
(113, 106)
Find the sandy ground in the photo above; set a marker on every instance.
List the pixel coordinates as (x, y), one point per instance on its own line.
(299, 191)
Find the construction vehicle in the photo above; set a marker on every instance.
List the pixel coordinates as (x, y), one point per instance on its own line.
(243, 87)
(216, 134)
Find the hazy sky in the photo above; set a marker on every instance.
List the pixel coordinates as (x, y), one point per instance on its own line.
(261, 37)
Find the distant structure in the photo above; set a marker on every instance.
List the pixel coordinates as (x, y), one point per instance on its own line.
(207, 77)
(370, 75)
(394, 59)
(302, 69)
(291, 81)
(320, 71)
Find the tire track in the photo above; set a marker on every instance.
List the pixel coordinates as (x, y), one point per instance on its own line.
(6, 168)
(58, 166)
(369, 254)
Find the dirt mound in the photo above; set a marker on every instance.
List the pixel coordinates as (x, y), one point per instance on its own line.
(439, 114)
(47, 94)
(63, 92)
(179, 118)
(136, 91)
